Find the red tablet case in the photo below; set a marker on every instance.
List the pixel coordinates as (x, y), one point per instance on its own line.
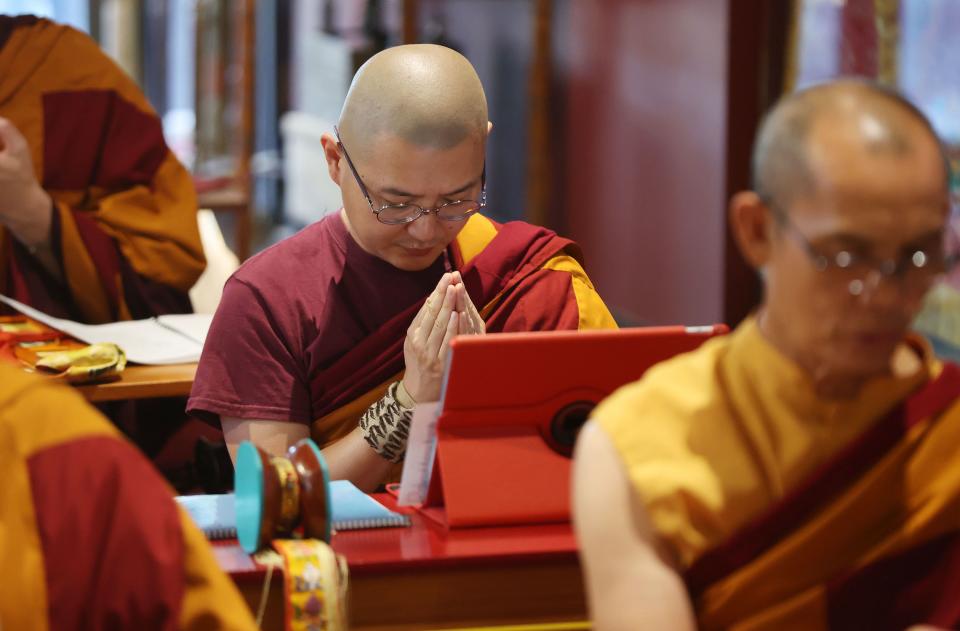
(497, 461)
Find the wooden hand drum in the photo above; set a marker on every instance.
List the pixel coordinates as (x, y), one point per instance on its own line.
(276, 495)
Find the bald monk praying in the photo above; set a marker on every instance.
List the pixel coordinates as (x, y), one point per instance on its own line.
(800, 473)
(338, 331)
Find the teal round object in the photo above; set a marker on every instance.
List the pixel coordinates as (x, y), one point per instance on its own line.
(249, 496)
(325, 472)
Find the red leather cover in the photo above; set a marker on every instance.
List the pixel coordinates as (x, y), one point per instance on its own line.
(497, 461)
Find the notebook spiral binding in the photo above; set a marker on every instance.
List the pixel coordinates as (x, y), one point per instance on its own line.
(396, 521)
(220, 533)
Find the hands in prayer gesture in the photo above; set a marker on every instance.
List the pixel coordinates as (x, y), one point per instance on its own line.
(448, 312)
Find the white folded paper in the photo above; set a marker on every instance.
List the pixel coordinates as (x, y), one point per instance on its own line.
(166, 339)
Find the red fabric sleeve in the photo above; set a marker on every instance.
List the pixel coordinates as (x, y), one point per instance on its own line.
(249, 367)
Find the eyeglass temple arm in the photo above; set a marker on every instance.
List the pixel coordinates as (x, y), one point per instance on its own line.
(353, 169)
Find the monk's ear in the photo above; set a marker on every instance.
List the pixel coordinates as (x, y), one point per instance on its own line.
(489, 128)
(331, 152)
(750, 223)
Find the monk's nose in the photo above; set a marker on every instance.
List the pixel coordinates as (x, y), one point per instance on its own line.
(425, 228)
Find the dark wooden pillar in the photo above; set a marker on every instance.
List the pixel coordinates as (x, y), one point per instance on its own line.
(410, 32)
(540, 150)
(758, 37)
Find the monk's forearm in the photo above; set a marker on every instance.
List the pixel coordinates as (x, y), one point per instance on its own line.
(274, 437)
(31, 226)
(351, 458)
(30, 223)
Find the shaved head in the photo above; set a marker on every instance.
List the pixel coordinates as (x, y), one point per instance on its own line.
(877, 119)
(427, 95)
(850, 180)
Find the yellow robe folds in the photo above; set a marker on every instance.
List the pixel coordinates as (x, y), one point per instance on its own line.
(723, 438)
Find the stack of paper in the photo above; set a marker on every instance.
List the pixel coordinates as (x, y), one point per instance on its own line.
(166, 339)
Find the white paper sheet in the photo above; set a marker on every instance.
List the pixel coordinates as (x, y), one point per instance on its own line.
(193, 325)
(421, 451)
(169, 339)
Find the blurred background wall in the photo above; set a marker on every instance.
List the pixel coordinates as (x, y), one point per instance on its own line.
(625, 124)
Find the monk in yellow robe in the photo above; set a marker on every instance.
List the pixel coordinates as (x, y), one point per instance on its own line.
(97, 217)
(800, 473)
(90, 536)
(337, 331)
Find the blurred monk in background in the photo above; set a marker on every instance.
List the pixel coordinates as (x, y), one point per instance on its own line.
(802, 472)
(98, 219)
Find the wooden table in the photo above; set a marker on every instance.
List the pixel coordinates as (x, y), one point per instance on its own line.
(144, 382)
(425, 577)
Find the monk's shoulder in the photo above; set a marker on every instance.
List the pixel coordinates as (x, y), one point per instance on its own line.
(73, 57)
(309, 258)
(680, 391)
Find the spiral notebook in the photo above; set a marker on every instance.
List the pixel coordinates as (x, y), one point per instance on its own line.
(213, 514)
(355, 510)
(352, 510)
